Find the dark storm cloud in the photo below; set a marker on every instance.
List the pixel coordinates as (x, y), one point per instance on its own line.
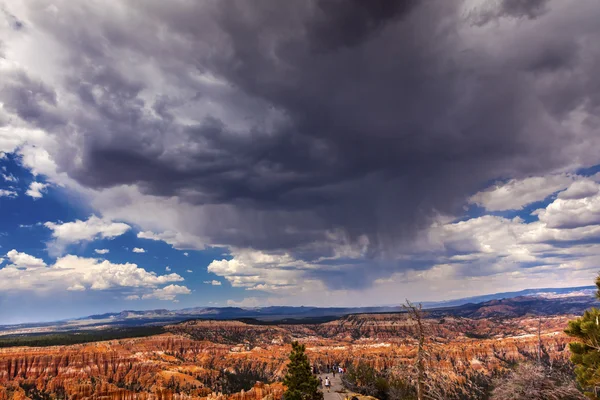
(32, 100)
(553, 57)
(523, 8)
(528, 9)
(342, 23)
(362, 117)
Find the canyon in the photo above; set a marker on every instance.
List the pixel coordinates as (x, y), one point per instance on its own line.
(201, 358)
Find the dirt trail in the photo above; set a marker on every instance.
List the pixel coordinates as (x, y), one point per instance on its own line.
(336, 386)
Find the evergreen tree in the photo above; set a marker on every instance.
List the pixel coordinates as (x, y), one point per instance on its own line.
(586, 351)
(301, 383)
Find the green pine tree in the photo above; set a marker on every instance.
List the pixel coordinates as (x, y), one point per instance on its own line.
(301, 383)
(585, 353)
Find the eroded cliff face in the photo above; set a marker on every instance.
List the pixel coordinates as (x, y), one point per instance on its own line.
(187, 362)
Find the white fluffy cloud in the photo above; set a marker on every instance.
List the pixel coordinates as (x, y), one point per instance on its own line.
(24, 261)
(168, 269)
(572, 211)
(36, 190)
(13, 138)
(167, 293)
(491, 245)
(580, 189)
(9, 178)
(8, 193)
(214, 282)
(74, 273)
(517, 193)
(178, 240)
(83, 231)
(256, 270)
(102, 251)
(138, 250)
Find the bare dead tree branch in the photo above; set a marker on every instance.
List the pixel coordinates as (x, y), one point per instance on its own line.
(416, 314)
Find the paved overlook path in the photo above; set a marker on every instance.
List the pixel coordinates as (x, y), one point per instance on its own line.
(336, 386)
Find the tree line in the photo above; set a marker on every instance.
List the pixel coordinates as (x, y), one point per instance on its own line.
(77, 337)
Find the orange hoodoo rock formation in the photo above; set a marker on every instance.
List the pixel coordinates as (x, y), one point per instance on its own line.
(185, 363)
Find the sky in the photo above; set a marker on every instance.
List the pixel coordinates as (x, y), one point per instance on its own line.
(320, 152)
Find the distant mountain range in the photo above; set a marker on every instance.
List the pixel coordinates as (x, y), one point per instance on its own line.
(509, 304)
(546, 292)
